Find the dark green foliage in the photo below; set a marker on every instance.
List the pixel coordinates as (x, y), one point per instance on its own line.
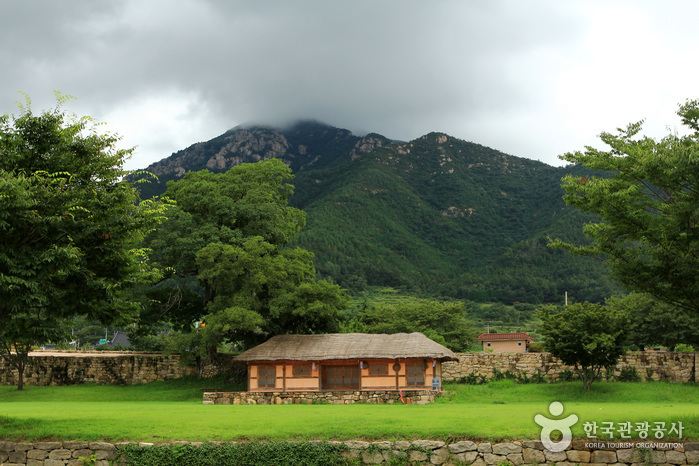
(628, 374)
(535, 347)
(443, 321)
(649, 229)
(589, 337)
(70, 225)
(229, 234)
(436, 215)
(473, 379)
(239, 454)
(568, 375)
(450, 216)
(656, 323)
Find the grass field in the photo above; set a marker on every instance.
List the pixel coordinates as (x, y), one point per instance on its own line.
(173, 410)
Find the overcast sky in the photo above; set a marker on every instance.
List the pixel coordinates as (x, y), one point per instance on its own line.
(530, 78)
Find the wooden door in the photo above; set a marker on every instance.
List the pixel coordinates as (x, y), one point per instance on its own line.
(340, 377)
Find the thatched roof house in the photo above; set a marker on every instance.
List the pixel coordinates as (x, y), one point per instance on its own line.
(347, 346)
(345, 361)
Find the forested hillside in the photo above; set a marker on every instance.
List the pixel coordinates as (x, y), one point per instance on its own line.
(436, 215)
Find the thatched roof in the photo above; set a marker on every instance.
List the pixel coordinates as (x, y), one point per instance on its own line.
(346, 346)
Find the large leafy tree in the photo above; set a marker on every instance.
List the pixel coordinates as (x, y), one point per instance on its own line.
(649, 209)
(70, 227)
(442, 321)
(231, 233)
(656, 323)
(587, 336)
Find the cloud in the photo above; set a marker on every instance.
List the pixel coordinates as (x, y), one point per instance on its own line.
(533, 79)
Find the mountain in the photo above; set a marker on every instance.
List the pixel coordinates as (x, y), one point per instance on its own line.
(306, 145)
(436, 215)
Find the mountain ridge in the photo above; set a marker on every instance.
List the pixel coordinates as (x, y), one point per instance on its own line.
(437, 214)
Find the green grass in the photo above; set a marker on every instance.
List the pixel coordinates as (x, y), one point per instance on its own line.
(173, 410)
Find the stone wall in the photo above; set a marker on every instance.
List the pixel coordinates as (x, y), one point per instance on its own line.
(675, 367)
(418, 397)
(424, 452)
(108, 368)
(129, 368)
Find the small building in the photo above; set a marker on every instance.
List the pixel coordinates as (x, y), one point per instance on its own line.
(345, 361)
(505, 342)
(120, 340)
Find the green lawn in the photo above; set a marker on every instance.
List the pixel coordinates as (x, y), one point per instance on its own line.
(174, 411)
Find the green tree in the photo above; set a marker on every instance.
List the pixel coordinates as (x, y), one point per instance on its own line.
(656, 323)
(586, 336)
(70, 226)
(649, 209)
(443, 321)
(231, 231)
(22, 332)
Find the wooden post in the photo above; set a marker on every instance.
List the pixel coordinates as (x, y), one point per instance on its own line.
(396, 369)
(283, 376)
(360, 374)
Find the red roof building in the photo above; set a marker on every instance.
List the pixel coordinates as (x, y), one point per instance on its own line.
(505, 342)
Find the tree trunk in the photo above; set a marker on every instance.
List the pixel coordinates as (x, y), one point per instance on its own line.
(20, 376)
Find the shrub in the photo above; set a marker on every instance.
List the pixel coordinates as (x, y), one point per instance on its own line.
(472, 379)
(536, 347)
(567, 376)
(278, 453)
(538, 377)
(629, 374)
(684, 348)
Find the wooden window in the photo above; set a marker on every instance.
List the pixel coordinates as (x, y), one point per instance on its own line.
(301, 370)
(378, 369)
(416, 374)
(266, 376)
(340, 377)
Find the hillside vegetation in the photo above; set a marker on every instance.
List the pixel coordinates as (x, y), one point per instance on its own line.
(436, 216)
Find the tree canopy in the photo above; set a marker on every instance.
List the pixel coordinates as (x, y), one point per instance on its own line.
(656, 323)
(443, 321)
(587, 336)
(70, 226)
(231, 232)
(649, 209)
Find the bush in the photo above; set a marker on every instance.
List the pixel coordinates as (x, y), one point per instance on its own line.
(472, 379)
(567, 376)
(538, 377)
(242, 454)
(536, 347)
(684, 348)
(629, 374)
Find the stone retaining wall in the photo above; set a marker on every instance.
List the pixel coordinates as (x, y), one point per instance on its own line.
(130, 368)
(108, 368)
(418, 397)
(670, 366)
(426, 452)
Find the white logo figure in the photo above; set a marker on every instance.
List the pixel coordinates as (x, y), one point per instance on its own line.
(549, 426)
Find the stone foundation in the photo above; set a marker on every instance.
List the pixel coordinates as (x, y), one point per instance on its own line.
(668, 366)
(423, 452)
(344, 397)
